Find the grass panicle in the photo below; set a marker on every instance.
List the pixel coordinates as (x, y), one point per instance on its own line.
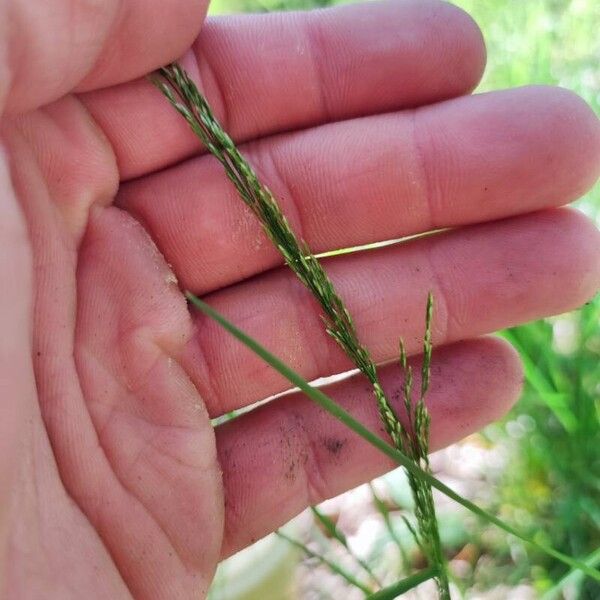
(415, 443)
(410, 443)
(183, 94)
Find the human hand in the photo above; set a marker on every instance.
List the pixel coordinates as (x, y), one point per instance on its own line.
(112, 481)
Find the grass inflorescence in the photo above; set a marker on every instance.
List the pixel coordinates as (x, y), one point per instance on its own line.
(413, 440)
(409, 443)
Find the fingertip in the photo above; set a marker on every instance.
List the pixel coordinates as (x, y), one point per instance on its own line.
(479, 381)
(576, 132)
(503, 366)
(452, 47)
(582, 252)
(468, 49)
(570, 243)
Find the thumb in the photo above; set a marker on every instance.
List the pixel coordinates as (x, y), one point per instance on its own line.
(52, 47)
(17, 384)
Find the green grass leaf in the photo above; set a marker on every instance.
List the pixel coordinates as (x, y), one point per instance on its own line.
(404, 585)
(400, 458)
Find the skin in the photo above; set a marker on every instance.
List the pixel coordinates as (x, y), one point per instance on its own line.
(113, 483)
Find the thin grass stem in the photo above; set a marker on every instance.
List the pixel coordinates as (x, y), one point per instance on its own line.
(334, 567)
(335, 533)
(325, 402)
(383, 510)
(405, 585)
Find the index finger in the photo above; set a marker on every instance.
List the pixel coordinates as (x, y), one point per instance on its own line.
(277, 72)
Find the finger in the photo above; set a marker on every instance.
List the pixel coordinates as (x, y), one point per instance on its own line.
(290, 454)
(470, 159)
(484, 278)
(53, 46)
(130, 440)
(147, 417)
(276, 72)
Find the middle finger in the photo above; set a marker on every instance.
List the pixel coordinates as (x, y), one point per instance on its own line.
(463, 161)
(484, 278)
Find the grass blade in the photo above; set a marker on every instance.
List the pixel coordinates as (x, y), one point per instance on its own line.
(557, 402)
(571, 577)
(404, 585)
(400, 458)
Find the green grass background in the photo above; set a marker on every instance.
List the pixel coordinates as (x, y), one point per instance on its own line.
(552, 486)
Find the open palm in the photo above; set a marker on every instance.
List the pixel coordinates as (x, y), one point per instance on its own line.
(113, 481)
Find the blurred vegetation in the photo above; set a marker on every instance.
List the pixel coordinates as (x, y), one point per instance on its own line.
(552, 484)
